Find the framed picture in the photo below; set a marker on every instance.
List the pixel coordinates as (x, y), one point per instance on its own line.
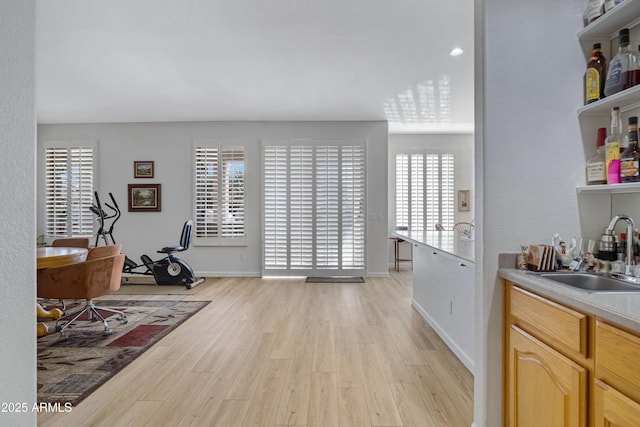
(144, 197)
(464, 203)
(143, 169)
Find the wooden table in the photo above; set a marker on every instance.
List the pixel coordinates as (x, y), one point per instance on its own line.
(57, 256)
(48, 257)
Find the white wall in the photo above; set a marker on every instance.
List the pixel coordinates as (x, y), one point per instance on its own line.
(529, 69)
(17, 210)
(170, 146)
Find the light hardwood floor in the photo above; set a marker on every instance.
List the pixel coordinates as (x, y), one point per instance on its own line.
(281, 352)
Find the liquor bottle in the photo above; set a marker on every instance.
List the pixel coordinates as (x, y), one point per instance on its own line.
(623, 69)
(595, 75)
(630, 158)
(610, 4)
(614, 141)
(596, 170)
(593, 11)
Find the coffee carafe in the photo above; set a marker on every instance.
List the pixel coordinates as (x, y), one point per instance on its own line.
(608, 246)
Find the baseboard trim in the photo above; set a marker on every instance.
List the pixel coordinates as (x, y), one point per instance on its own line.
(228, 273)
(466, 360)
(383, 275)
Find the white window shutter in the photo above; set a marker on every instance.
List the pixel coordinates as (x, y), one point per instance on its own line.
(276, 207)
(448, 190)
(402, 190)
(232, 195)
(301, 193)
(206, 192)
(219, 194)
(353, 209)
(314, 208)
(69, 186)
(425, 187)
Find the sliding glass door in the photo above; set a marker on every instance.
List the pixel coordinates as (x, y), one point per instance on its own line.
(314, 208)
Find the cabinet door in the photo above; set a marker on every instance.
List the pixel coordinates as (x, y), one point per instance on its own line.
(614, 409)
(545, 388)
(462, 306)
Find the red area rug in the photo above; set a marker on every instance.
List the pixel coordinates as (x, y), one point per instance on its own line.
(69, 370)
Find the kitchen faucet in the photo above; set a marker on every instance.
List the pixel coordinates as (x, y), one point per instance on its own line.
(630, 228)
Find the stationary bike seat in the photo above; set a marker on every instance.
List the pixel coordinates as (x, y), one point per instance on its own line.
(170, 249)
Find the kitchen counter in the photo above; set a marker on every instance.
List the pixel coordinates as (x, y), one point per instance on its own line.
(452, 242)
(622, 309)
(443, 287)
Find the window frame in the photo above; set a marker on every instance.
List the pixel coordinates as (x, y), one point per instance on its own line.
(284, 244)
(451, 201)
(84, 210)
(219, 239)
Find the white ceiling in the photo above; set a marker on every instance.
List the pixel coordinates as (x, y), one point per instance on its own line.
(186, 60)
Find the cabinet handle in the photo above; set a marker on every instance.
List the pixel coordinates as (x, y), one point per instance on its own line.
(462, 264)
(435, 253)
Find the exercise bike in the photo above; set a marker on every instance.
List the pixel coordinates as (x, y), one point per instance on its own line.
(168, 270)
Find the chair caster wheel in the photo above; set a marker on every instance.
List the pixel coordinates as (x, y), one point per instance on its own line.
(125, 320)
(108, 332)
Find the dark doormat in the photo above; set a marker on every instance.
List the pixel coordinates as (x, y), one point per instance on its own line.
(330, 279)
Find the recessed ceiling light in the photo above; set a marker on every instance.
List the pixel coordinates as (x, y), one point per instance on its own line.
(455, 52)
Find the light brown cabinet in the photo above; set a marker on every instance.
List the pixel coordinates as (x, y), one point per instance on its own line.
(547, 388)
(563, 367)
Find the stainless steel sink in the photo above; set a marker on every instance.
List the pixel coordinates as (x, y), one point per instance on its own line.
(594, 283)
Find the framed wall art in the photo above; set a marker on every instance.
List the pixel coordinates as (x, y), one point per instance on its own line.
(464, 203)
(144, 197)
(143, 169)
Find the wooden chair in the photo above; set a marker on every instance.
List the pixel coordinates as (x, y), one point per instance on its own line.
(72, 242)
(463, 226)
(103, 251)
(83, 281)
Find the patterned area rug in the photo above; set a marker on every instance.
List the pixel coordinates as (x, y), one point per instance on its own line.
(69, 370)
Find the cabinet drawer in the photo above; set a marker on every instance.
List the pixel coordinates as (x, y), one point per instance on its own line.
(613, 408)
(551, 322)
(617, 356)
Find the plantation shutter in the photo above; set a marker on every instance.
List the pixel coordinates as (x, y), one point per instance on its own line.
(402, 191)
(447, 192)
(301, 208)
(432, 190)
(353, 180)
(276, 207)
(314, 208)
(219, 194)
(232, 195)
(69, 187)
(425, 190)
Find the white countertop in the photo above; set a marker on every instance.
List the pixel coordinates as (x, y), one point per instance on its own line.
(619, 308)
(451, 242)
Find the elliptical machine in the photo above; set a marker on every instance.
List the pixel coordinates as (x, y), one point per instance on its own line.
(168, 270)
